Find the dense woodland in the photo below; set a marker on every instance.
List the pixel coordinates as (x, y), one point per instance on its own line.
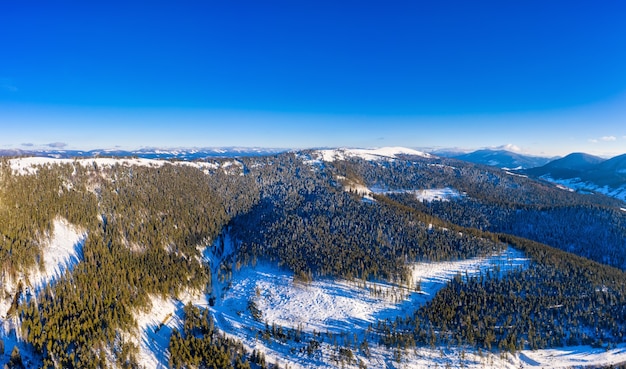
(597, 233)
(592, 226)
(200, 345)
(559, 300)
(147, 226)
(144, 226)
(315, 228)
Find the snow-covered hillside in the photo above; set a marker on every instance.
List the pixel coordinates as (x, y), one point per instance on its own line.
(368, 154)
(337, 305)
(61, 252)
(245, 301)
(577, 184)
(30, 165)
(327, 308)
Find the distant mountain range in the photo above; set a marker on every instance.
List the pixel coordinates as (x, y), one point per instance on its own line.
(571, 166)
(503, 159)
(149, 153)
(586, 173)
(577, 171)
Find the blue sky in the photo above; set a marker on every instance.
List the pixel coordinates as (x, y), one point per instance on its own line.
(548, 77)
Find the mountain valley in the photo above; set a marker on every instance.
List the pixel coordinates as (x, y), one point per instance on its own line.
(310, 258)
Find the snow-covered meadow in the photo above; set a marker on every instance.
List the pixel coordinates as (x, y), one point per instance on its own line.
(334, 305)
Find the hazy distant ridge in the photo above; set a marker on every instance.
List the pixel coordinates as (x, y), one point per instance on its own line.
(503, 159)
(584, 172)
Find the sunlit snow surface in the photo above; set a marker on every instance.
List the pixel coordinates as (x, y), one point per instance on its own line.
(331, 305)
(338, 305)
(156, 326)
(368, 154)
(29, 165)
(60, 252)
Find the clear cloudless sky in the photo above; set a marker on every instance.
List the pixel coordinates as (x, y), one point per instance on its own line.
(544, 77)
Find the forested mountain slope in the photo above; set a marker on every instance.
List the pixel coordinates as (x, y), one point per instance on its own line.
(503, 159)
(499, 201)
(156, 229)
(586, 173)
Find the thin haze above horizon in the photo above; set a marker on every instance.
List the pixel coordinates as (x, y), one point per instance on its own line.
(545, 78)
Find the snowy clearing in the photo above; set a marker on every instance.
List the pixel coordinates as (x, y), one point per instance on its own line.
(332, 306)
(337, 305)
(455, 357)
(561, 187)
(437, 194)
(429, 195)
(506, 170)
(155, 328)
(60, 253)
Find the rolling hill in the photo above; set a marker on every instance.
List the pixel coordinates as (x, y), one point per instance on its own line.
(586, 173)
(503, 159)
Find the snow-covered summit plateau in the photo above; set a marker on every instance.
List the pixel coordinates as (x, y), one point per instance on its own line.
(331, 155)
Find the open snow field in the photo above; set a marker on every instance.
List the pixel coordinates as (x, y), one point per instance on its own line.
(570, 357)
(427, 194)
(335, 307)
(437, 194)
(331, 305)
(155, 328)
